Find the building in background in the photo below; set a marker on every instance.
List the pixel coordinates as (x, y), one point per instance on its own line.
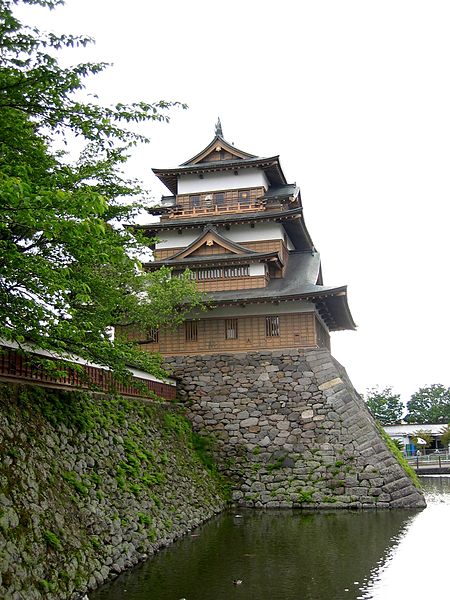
(405, 433)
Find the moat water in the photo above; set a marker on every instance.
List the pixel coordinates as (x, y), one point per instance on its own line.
(294, 555)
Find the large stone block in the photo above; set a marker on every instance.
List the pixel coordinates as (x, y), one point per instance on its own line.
(310, 424)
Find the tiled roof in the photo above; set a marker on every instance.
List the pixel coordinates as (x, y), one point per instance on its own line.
(299, 282)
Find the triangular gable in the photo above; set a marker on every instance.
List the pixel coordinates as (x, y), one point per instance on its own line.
(219, 153)
(210, 247)
(211, 242)
(215, 150)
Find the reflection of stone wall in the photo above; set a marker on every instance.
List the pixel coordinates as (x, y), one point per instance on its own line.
(291, 430)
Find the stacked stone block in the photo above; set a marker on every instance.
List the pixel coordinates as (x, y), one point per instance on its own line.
(291, 431)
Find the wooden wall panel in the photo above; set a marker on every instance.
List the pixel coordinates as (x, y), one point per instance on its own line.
(296, 330)
(164, 253)
(234, 283)
(264, 245)
(322, 335)
(206, 250)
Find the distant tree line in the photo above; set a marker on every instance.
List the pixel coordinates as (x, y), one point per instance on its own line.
(430, 404)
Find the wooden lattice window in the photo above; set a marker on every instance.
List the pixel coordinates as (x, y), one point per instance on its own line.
(152, 335)
(219, 272)
(272, 326)
(191, 331)
(194, 201)
(241, 271)
(231, 329)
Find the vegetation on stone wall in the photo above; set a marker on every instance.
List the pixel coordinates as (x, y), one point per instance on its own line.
(400, 457)
(90, 485)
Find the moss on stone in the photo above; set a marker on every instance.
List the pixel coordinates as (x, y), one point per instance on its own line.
(399, 457)
(94, 480)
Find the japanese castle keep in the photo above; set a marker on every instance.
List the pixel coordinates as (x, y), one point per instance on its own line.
(255, 370)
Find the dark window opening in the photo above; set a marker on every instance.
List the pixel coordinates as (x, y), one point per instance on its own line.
(244, 196)
(231, 329)
(152, 335)
(191, 331)
(219, 199)
(272, 326)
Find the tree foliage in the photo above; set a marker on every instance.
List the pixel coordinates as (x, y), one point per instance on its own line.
(430, 404)
(422, 434)
(445, 438)
(384, 405)
(69, 268)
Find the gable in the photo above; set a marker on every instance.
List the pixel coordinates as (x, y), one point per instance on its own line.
(218, 149)
(210, 242)
(218, 154)
(209, 248)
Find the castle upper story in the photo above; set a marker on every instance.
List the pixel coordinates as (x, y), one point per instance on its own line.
(235, 222)
(221, 180)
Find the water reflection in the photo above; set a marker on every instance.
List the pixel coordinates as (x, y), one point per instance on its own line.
(278, 555)
(292, 555)
(417, 566)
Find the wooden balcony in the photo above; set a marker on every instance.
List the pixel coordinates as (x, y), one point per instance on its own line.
(215, 203)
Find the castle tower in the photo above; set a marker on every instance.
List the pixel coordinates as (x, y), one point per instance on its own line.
(255, 371)
(236, 223)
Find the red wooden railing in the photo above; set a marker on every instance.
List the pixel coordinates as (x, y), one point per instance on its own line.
(15, 366)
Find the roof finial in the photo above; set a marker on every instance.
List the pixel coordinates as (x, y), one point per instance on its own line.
(219, 131)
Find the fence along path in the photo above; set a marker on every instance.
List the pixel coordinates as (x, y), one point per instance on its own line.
(18, 367)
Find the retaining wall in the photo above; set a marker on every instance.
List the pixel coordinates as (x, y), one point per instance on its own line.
(90, 486)
(291, 430)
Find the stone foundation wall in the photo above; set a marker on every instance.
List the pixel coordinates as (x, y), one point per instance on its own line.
(90, 486)
(292, 431)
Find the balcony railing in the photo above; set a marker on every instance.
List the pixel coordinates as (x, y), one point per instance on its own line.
(211, 208)
(17, 368)
(218, 202)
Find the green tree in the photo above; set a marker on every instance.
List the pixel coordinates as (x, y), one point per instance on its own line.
(398, 444)
(69, 267)
(384, 405)
(445, 437)
(430, 404)
(422, 434)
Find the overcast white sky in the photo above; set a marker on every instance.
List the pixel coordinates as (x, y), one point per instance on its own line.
(355, 97)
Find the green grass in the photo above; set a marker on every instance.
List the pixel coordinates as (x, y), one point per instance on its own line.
(72, 478)
(52, 540)
(305, 497)
(400, 458)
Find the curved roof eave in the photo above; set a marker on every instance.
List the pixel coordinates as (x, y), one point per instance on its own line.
(216, 259)
(271, 166)
(221, 219)
(338, 317)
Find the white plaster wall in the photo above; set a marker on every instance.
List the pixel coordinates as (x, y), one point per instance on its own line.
(261, 232)
(237, 233)
(257, 270)
(257, 309)
(190, 184)
(290, 245)
(173, 239)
